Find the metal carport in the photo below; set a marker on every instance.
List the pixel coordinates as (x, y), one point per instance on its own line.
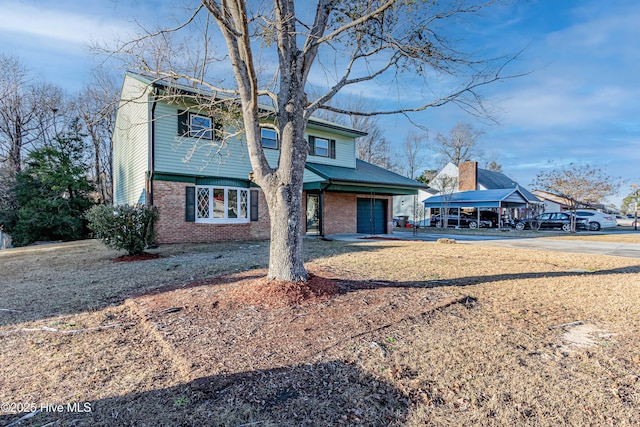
(499, 198)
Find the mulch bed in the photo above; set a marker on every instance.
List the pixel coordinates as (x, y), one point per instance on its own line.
(133, 258)
(280, 293)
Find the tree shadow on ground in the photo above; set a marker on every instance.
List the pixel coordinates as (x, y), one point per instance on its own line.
(60, 287)
(354, 285)
(327, 393)
(184, 267)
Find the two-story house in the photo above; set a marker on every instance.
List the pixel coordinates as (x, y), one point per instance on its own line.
(166, 155)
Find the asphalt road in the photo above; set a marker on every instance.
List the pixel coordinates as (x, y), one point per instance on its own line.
(629, 250)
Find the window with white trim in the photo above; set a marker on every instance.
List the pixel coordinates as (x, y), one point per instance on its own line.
(200, 126)
(222, 205)
(322, 147)
(194, 125)
(269, 138)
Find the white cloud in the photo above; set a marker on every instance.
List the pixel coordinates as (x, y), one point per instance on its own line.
(51, 26)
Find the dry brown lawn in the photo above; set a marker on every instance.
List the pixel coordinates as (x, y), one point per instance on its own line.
(419, 334)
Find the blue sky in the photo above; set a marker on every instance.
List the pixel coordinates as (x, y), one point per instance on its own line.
(580, 102)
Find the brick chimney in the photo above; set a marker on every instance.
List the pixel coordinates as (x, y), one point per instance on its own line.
(468, 176)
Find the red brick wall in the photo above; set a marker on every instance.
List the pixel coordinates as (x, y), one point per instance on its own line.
(169, 197)
(341, 212)
(389, 214)
(340, 216)
(468, 176)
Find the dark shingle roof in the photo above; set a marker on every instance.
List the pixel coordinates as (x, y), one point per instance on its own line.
(184, 89)
(495, 180)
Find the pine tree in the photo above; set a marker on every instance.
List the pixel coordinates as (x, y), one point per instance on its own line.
(53, 191)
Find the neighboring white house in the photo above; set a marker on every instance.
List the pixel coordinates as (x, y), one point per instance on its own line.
(555, 203)
(411, 206)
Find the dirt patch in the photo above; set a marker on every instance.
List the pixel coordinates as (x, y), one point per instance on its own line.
(582, 336)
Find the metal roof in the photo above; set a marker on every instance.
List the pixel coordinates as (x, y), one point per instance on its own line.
(365, 175)
(503, 197)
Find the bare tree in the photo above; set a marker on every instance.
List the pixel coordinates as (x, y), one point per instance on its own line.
(96, 106)
(29, 112)
(459, 146)
(373, 147)
(413, 155)
(351, 43)
(446, 186)
(580, 185)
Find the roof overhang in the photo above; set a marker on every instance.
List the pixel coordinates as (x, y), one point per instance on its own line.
(365, 178)
(360, 188)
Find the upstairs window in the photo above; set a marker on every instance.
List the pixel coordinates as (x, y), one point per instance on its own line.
(269, 138)
(322, 147)
(199, 126)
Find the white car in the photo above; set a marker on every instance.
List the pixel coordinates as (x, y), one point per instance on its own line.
(597, 220)
(627, 220)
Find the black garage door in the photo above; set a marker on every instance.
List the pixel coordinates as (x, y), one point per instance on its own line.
(371, 216)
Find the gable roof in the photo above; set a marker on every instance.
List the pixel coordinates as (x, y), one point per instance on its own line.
(364, 178)
(494, 180)
(194, 92)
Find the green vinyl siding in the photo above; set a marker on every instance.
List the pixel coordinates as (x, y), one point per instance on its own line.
(345, 149)
(176, 154)
(311, 177)
(130, 143)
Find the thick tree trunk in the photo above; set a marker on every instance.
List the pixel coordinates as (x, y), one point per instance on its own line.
(282, 188)
(282, 185)
(286, 255)
(284, 199)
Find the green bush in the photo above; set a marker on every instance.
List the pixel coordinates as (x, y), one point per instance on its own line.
(124, 227)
